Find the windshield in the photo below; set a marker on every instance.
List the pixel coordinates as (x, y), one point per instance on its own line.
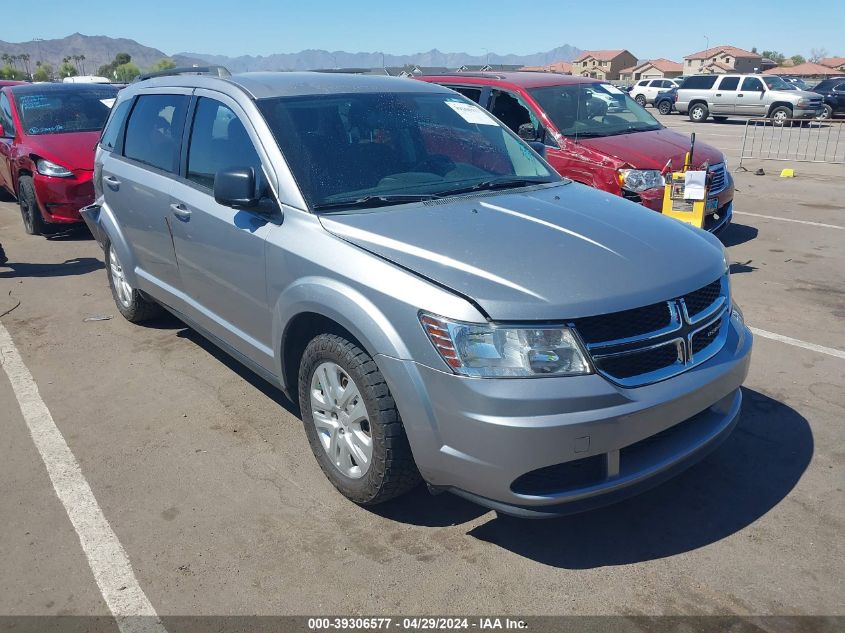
(593, 110)
(65, 110)
(776, 83)
(349, 148)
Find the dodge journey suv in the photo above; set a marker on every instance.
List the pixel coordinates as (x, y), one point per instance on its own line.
(441, 304)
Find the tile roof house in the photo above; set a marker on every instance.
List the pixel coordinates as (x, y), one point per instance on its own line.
(834, 62)
(722, 59)
(603, 64)
(652, 69)
(807, 69)
(563, 68)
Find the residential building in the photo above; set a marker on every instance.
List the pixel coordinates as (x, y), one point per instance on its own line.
(834, 62)
(722, 59)
(808, 70)
(652, 69)
(603, 64)
(562, 68)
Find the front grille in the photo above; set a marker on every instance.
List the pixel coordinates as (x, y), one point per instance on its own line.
(626, 324)
(718, 178)
(643, 345)
(701, 299)
(639, 363)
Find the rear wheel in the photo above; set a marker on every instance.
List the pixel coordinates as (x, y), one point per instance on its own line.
(33, 223)
(352, 423)
(665, 107)
(698, 113)
(640, 99)
(134, 307)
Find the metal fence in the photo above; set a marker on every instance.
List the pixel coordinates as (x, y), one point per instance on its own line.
(813, 141)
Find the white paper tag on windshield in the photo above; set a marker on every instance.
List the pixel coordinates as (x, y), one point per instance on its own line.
(108, 102)
(694, 184)
(471, 113)
(612, 89)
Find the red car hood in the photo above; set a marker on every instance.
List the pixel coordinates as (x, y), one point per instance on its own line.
(74, 150)
(651, 150)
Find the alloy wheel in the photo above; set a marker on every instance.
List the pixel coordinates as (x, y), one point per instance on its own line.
(340, 417)
(121, 286)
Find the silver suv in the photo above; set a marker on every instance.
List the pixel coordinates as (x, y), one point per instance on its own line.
(724, 96)
(442, 305)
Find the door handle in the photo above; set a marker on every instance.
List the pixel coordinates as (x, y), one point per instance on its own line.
(181, 211)
(718, 94)
(112, 182)
(739, 95)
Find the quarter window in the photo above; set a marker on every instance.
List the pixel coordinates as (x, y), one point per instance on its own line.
(109, 139)
(154, 131)
(219, 141)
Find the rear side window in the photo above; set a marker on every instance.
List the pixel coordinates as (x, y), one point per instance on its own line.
(729, 83)
(752, 84)
(699, 82)
(219, 141)
(643, 83)
(108, 140)
(840, 87)
(6, 116)
(154, 130)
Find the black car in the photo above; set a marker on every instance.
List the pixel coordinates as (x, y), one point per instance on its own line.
(665, 100)
(833, 92)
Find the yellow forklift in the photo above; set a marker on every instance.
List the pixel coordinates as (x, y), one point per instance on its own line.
(685, 195)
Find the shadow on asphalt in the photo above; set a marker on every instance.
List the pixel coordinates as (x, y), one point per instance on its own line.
(736, 234)
(76, 266)
(756, 467)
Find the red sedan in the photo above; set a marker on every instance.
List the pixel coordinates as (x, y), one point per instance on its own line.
(47, 137)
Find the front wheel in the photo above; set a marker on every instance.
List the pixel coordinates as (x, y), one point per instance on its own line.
(665, 107)
(134, 307)
(352, 423)
(698, 113)
(640, 99)
(780, 115)
(33, 223)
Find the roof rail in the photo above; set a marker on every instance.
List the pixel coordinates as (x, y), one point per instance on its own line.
(216, 71)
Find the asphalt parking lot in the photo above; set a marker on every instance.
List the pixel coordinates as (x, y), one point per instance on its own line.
(205, 476)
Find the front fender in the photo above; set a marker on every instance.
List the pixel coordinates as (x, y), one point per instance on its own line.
(341, 303)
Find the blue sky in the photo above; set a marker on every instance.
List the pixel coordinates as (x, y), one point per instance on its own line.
(261, 27)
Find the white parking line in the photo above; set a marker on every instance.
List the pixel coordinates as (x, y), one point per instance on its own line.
(106, 556)
(798, 343)
(773, 217)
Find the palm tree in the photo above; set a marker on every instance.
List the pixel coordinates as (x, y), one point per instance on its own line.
(82, 66)
(7, 59)
(24, 57)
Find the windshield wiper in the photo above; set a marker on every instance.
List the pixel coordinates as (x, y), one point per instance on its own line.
(495, 183)
(374, 201)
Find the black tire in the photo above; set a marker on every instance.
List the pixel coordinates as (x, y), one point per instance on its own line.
(392, 471)
(137, 308)
(640, 99)
(664, 107)
(720, 119)
(33, 223)
(779, 114)
(698, 113)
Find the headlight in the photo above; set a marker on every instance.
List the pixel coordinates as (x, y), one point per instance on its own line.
(488, 351)
(725, 161)
(638, 180)
(48, 168)
(803, 103)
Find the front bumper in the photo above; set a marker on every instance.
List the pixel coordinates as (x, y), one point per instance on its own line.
(806, 113)
(60, 199)
(549, 446)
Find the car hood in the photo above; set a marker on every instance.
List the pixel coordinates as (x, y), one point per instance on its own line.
(547, 253)
(74, 150)
(651, 150)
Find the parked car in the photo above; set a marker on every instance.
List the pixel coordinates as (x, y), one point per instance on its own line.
(724, 96)
(665, 101)
(646, 91)
(832, 92)
(619, 148)
(442, 305)
(47, 138)
(798, 83)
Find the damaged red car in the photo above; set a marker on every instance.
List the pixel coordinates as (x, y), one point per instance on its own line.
(595, 134)
(47, 138)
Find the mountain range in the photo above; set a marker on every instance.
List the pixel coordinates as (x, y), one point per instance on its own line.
(100, 49)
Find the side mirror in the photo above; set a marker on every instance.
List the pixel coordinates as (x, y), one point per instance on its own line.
(527, 132)
(235, 187)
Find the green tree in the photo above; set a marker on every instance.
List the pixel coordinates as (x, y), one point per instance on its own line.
(775, 56)
(44, 72)
(164, 64)
(9, 72)
(126, 72)
(67, 69)
(108, 70)
(798, 59)
(122, 58)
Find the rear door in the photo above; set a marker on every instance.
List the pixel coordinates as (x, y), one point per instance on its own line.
(724, 98)
(221, 250)
(751, 98)
(838, 93)
(137, 184)
(8, 137)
